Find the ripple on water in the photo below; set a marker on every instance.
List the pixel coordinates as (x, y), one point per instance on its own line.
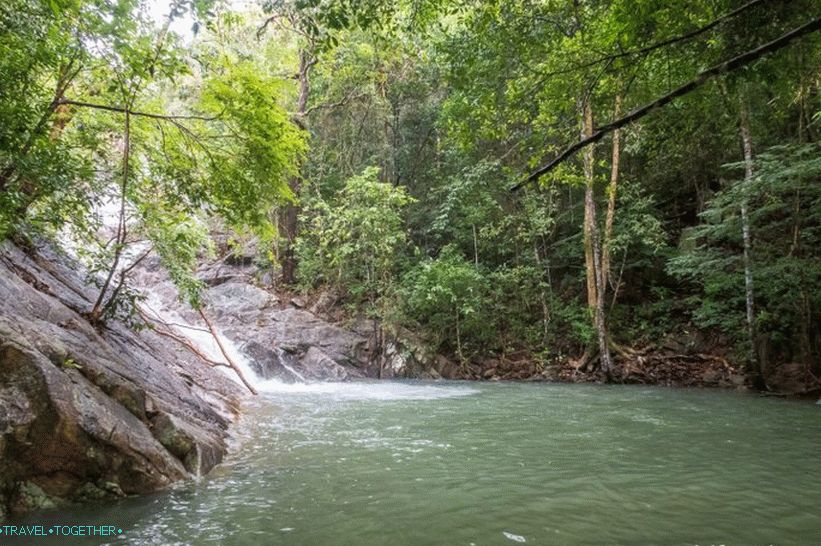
(451, 463)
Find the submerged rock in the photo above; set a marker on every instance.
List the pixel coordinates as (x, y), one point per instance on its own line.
(87, 414)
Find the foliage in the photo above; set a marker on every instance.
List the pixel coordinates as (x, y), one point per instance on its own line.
(785, 215)
(420, 115)
(448, 298)
(353, 242)
(249, 176)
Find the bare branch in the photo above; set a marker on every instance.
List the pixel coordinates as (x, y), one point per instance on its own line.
(179, 339)
(230, 360)
(331, 105)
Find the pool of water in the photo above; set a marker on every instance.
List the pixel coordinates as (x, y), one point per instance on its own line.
(494, 463)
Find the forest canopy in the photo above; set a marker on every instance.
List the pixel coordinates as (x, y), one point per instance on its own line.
(665, 158)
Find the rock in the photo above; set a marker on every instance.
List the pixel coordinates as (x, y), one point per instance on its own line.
(324, 303)
(446, 368)
(316, 364)
(430, 374)
(238, 299)
(31, 497)
(788, 378)
(87, 414)
(285, 340)
(259, 333)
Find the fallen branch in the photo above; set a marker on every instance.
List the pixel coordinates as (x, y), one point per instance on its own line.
(179, 339)
(230, 361)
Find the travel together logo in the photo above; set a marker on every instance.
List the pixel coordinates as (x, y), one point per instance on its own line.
(60, 531)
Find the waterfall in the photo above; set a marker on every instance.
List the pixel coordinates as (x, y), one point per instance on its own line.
(201, 338)
(161, 306)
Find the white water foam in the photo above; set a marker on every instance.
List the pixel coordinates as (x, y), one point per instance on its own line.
(283, 361)
(366, 390)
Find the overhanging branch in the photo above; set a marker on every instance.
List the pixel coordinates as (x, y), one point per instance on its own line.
(133, 112)
(700, 79)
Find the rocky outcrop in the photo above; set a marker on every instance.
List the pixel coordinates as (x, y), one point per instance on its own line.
(279, 339)
(87, 413)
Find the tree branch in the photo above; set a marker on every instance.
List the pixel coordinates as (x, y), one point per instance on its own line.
(179, 339)
(700, 79)
(658, 45)
(132, 112)
(330, 105)
(224, 352)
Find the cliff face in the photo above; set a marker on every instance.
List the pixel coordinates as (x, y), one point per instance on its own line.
(88, 413)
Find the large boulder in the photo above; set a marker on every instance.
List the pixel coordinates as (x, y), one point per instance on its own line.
(91, 414)
(287, 343)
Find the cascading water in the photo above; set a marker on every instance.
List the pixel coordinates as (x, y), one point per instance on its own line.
(202, 339)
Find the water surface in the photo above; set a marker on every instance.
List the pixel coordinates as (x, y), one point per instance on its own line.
(502, 463)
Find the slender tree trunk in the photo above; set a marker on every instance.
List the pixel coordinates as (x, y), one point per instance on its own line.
(119, 241)
(475, 247)
(746, 141)
(589, 204)
(611, 194)
(592, 244)
(459, 341)
(542, 297)
(289, 217)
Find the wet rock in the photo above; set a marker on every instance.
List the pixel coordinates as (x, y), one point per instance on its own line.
(788, 378)
(315, 348)
(283, 339)
(316, 364)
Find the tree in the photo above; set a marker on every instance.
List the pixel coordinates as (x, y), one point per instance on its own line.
(447, 296)
(354, 241)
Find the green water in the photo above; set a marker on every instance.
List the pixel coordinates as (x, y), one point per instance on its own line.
(459, 463)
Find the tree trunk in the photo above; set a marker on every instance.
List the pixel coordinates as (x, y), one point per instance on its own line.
(611, 194)
(592, 247)
(475, 247)
(289, 218)
(589, 204)
(746, 141)
(119, 241)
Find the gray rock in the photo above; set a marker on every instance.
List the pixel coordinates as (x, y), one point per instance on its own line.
(92, 414)
(238, 300)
